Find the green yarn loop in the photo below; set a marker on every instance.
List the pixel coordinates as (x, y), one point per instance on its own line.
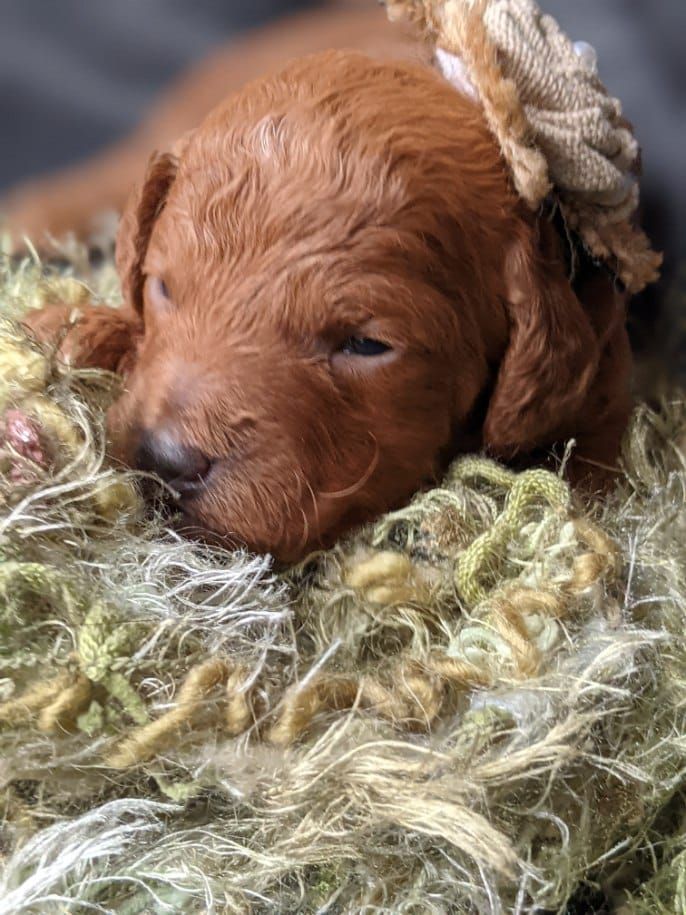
(531, 490)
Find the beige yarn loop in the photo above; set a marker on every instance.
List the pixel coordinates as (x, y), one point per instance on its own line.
(557, 126)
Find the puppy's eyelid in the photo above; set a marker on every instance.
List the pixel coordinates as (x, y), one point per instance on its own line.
(158, 292)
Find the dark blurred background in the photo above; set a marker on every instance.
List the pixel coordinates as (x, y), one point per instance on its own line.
(76, 74)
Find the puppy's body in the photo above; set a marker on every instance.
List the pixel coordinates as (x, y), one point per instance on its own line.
(331, 289)
(74, 198)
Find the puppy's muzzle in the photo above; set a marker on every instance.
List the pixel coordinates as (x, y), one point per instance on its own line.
(182, 466)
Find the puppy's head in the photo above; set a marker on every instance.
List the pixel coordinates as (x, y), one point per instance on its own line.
(339, 291)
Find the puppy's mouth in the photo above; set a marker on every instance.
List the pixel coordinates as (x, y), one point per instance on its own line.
(187, 489)
(178, 495)
(183, 510)
(188, 508)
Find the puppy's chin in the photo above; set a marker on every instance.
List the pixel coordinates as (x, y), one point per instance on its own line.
(191, 528)
(289, 533)
(199, 518)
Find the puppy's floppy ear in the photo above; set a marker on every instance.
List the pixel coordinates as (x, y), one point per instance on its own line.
(144, 205)
(553, 352)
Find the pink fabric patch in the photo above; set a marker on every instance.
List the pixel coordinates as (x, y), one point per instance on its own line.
(22, 434)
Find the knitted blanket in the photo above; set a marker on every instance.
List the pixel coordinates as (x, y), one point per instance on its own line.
(474, 705)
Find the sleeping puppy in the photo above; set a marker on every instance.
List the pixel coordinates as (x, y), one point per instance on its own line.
(331, 290)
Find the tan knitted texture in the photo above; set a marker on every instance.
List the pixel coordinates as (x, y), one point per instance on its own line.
(558, 128)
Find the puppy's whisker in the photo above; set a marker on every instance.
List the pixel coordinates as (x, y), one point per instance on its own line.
(315, 508)
(306, 530)
(359, 484)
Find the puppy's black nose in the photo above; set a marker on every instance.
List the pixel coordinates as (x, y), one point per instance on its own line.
(182, 466)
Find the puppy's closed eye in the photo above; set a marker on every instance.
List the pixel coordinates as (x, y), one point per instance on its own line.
(360, 353)
(157, 293)
(363, 346)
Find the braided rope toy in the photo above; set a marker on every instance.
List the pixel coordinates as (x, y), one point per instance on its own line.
(558, 129)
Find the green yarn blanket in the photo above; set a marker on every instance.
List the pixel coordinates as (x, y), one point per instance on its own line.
(475, 705)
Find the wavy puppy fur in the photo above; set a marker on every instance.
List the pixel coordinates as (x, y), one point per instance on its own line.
(346, 196)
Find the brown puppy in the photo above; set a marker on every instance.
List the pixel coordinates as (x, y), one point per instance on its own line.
(330, 290)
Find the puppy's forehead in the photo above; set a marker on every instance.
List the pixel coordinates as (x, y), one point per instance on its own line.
(324, 115)
(339, 165)
(332, 141)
